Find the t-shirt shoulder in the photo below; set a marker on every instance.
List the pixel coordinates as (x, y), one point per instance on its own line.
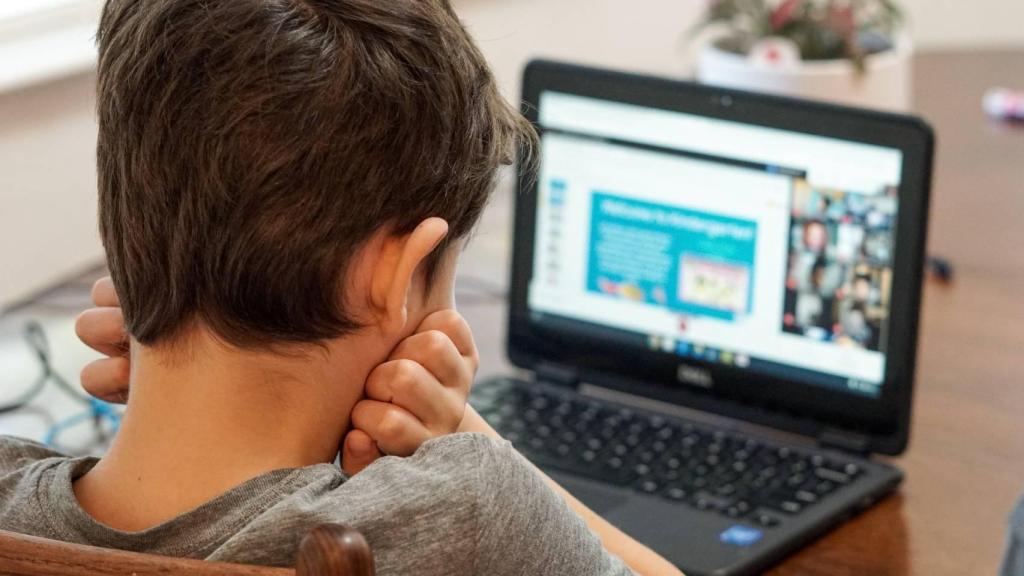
(530, 529)
(419, 514)
(462, 504)
(489, 509)
(19, 453)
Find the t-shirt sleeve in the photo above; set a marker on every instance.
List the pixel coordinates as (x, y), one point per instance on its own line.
(1013, 562)
(16, 453)
(527, 528)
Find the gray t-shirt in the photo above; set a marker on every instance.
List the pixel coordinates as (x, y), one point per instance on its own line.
(1013, 562)
(463, 504)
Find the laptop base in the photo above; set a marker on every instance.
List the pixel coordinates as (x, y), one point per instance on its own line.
(707, 520)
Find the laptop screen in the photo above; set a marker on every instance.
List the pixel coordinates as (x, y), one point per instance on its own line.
(757, 248)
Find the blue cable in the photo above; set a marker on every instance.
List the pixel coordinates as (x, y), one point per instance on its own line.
(98, 412)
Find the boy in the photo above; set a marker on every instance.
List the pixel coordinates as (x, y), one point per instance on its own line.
(284, 188)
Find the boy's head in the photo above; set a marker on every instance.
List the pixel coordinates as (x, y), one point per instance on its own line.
(250, 151)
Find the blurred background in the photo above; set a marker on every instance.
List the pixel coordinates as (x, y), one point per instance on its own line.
(47, 130)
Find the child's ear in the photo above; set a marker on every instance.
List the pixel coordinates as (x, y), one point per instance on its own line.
(395, 269)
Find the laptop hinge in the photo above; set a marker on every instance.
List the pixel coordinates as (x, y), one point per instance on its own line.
(845, 440)
(556, 374)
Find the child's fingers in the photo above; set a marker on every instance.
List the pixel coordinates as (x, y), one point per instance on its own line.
(436, 352)
(102, 329)
(455, 326)
(412, 387)
(394, 429)
(103, 293)
(107, 379)
(358, 451)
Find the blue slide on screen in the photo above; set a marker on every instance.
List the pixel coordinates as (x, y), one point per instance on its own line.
(695, 263)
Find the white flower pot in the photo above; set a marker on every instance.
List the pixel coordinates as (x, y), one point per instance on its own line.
(885, 84)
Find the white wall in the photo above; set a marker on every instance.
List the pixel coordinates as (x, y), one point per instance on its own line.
(966, 23)
(651, 35)
(47, 184)
(47, 132)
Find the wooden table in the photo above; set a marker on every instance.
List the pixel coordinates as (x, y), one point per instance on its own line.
(965, 466)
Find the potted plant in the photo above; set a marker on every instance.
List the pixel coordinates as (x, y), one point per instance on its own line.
(847, 51)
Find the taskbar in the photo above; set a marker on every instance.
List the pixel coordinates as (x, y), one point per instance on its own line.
(681, 348)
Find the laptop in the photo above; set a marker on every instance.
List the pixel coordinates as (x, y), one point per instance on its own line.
(714, 310)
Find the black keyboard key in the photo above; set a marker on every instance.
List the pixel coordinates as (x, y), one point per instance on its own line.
(726, 490)
(668, 476)
(832, 476)
(665, 434)
(648, 486)
(646, 456)
(705, 503)
(732, 512)
(676, 493)
(743, 506)
(766, 520)
(824, 487)
(790, 507)
(806, 496)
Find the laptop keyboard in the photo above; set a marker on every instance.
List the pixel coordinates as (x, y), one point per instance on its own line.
(723, 472)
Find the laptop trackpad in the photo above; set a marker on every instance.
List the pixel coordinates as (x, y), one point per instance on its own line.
(597, 497)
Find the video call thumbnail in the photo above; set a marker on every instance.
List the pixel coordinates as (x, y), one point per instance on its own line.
(840, 266)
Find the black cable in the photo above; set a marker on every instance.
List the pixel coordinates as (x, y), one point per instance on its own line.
(35, 338)
(35, 335)
(26, 398)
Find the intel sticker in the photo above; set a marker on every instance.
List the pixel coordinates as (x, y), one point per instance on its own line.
(740, 535)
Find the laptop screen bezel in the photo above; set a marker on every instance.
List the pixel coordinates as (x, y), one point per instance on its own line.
(787, 405)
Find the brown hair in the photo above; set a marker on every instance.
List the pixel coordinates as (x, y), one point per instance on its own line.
(248, 148)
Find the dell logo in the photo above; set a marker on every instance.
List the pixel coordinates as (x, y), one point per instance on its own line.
(696, 376)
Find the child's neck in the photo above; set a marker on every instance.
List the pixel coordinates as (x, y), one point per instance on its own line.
(199, 425)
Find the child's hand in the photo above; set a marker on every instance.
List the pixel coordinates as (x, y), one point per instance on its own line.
(102, 329)
(418, 394)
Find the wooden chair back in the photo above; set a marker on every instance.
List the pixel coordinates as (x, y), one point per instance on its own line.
(328, 550)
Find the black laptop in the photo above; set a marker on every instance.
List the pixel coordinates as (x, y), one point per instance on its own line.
(714, 305)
